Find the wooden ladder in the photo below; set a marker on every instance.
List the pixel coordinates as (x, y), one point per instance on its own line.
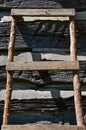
(43, 65)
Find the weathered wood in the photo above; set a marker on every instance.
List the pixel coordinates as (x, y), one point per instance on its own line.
(78, 4)
(35, 18)
(40, 101)
(9, 74)
(41, 127)
(43, 65)
(76, 79)
(43, 12)
(46, 77)
(45, 54)
(41, 35)
(80, 15)
(55, 76)
(59, 111)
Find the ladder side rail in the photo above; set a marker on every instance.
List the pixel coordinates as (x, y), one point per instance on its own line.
(9, 73)
(76, 79)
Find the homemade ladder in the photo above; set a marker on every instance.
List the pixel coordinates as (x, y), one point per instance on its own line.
(44, 65)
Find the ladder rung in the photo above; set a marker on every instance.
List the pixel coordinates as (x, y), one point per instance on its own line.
(43, 12)
(42, 127)
(43, 65)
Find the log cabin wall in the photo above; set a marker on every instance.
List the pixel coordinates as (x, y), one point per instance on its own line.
(50, 94)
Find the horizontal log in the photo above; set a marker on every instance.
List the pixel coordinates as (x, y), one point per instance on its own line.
(79, 16)
(42, 127)
(42, 35)
(40, 54)
(43, 12)
(28, 91)
(78, 4)
(59, 111)
(43, 65)
(26, 41)
(46, 77)
(50, 105)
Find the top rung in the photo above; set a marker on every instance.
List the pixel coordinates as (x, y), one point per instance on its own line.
(43, 12)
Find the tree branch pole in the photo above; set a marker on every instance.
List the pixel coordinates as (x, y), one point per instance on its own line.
(76, 79)
(9, 73)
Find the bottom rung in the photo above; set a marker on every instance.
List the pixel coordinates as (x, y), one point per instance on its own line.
(42, 127)
(43, 65)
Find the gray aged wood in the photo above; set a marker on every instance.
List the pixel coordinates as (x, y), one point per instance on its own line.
(43, 65)
(78, 4)
(46, 77)
(79, 16)
(10, 76)
(42, 127)
(46, 32)
(57, 3)
(43, 12)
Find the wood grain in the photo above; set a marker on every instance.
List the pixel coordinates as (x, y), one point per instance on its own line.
(9, 74)
(76, 78)
(43, 12)
(43, 65)
(41, 127)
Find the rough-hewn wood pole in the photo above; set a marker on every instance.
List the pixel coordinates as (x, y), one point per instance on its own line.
(76, 80)
(9, 73)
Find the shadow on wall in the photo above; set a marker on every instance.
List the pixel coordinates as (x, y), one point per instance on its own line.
(44, 34)
(45, 3)
(49, 34)
(40, 30)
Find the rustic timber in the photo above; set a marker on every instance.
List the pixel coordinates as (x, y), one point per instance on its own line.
(43, 12)
(42, 127)
(43, 65)
(38, 35)
(9, 74)
(79, 16)
(45, 77)
(72, 51)
(44, 104)
(48, 3)
(76, 79)
(78, 4)
(60, 111)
